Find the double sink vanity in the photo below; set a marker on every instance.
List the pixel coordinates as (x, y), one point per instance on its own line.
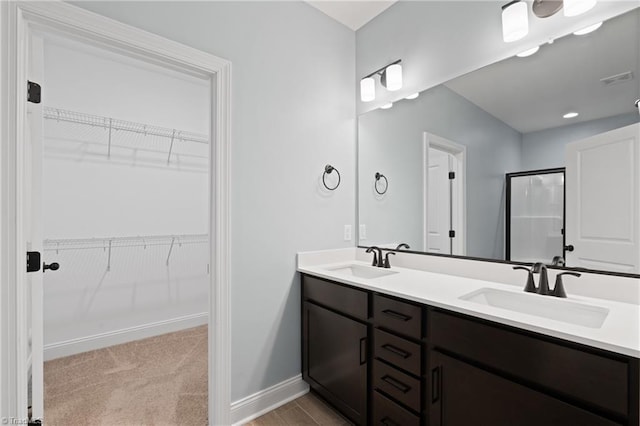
(406, 346)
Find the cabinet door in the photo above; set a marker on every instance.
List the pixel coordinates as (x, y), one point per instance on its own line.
(335, 359)
(462, 394)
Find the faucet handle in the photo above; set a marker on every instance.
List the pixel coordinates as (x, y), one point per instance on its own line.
(373, 249)
(530, 287)
(386, 259)
(558, 288)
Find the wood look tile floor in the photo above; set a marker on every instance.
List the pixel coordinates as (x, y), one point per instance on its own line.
(306, 410)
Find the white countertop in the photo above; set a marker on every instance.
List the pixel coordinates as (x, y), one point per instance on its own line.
(619, 333)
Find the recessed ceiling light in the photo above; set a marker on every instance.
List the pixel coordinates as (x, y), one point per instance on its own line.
(528, 52)
(589, 29)
(570, 115)
(387, 106)
(415, 95)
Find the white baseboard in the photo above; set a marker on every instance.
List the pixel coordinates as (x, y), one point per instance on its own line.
(253, 406)
(116, 337)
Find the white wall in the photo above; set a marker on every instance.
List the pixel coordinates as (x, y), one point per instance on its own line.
(135, 193)
(293, 111)
(390, 141)
(545, 149)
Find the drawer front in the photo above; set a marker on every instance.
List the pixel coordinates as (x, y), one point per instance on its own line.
(403, 317)
(388, 413)
(397, 351)
(332, 295)
(583, 376)
(396, 384)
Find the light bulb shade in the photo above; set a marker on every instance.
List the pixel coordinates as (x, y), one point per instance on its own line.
(577, 7)
(392, 77)
(367, 89)
(515, 21)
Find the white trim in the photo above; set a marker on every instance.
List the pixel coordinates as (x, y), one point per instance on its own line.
(116, 337)
(16, 20)
(429, 140)
(253, 406)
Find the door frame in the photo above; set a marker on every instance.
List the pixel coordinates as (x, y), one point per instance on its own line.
(17, 19)
(459, 152)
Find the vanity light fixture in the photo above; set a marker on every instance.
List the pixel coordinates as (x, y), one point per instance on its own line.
(367, 89)
(413, 96)
(387, 106)
(528, 52)
(577, 7)
(589, 29)
(390, 78)
(515, 21)
(570, 115)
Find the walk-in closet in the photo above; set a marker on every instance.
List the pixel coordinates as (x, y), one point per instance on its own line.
(125, 214)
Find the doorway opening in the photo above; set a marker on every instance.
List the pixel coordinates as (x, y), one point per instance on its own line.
(21, 337)
(444, 196)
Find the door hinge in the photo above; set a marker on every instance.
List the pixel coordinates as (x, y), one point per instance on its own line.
(33, 261)
(452, 234)
(34, 92)
(452, 175)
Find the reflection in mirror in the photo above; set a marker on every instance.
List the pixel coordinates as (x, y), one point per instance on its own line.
(509, 117)
(535, 216)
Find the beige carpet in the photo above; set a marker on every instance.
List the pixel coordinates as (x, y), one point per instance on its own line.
(157, 381)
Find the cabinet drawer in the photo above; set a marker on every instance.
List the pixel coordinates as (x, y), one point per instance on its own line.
(397, 351)
(336, 296)
(397, 385)
(388, 413)
(403, 317)
(582, 376)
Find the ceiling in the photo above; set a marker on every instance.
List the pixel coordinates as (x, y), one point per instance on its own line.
(533, 93)
(353, 14)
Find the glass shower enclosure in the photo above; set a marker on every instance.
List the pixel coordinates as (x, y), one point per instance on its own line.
(535, 213)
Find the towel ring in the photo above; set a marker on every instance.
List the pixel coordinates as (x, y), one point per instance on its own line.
(386, 183)
(328, 169)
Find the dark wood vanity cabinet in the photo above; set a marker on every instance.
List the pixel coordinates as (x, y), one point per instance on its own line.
(382, 360)
(335, 345)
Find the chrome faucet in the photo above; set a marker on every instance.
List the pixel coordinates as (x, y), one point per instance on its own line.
(377, 259)
(543, 283)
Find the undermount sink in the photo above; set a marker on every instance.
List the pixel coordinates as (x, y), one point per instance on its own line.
(542, 306)
(362, 271)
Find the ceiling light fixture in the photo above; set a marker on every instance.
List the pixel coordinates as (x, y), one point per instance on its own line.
(589, 29)
(387, 106)
(528, 52)
(570, 115)
(413, 96)
(390, 78)
(515, 21)
(577, 7)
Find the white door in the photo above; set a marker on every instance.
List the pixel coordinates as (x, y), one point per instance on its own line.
(33, 231)
(439, 203)
(603, 201)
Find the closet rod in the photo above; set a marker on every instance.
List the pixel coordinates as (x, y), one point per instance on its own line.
(123, 125)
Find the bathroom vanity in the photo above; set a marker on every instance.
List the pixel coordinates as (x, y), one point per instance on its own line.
(407, 347)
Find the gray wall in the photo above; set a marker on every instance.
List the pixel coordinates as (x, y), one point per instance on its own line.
(390, 141)
(545, 149)
(293, 112)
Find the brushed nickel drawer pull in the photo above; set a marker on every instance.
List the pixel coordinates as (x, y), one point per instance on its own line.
(396, 351)
(404, 388)
(396, 315)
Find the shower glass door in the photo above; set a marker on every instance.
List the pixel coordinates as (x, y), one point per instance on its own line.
(535, 216)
